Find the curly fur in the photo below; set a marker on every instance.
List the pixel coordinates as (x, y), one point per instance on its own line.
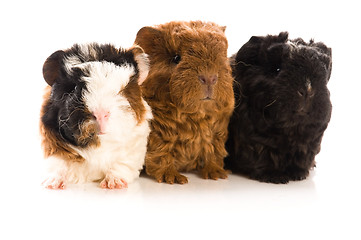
(189, 88)
(282, 107)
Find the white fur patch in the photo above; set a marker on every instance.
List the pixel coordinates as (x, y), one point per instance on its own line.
(292, 45)
(105, 82)
(70, 62)
(88, 51)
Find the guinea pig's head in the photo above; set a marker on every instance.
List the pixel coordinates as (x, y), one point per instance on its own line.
(285, 81)
(188, 64)
(91, 85)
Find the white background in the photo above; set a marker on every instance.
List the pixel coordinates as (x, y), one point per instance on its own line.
(325, 205)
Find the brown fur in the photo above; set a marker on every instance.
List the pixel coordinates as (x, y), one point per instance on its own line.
(134, 96)
(133, 91)
(51, 142)
(88, 136)
(188, 132)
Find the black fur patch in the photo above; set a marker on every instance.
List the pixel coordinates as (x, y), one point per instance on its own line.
(282, 107)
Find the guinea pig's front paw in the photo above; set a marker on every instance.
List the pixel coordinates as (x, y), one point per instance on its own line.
(112, 182)
(281, 177)
(272, 177)
(55, 182)
(214, 173)
(171, 176)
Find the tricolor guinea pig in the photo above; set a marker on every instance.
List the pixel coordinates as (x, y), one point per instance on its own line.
(189, 88)
(94, 121)
(282, 107)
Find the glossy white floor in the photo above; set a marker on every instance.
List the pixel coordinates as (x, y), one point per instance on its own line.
(325, 205)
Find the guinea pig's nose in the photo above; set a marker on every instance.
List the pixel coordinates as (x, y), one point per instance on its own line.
(102, 118)
(208, 79)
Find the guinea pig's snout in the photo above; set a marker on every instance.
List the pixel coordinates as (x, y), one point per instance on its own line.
(208, 79)
(102, 118)
(207, 82)
(307, 91)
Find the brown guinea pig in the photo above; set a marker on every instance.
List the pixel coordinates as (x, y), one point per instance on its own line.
(189, 88)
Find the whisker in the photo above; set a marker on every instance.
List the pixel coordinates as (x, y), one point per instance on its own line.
(268, 105)
(72, 97)
(63, 122)
(243, 63)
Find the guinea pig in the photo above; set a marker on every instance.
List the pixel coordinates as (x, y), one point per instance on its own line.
(282, 107)
(94, 122)
(189, 89)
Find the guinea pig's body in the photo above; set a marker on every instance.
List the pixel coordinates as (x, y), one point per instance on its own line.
(189, 88)
(94, 121)
(282, 107)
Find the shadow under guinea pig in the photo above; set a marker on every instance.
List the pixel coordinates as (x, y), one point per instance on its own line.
(282, 107)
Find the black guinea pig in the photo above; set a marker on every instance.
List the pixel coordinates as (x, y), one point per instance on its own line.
(282, 107)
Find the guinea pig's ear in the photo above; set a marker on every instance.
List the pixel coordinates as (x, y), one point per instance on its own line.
(326, 58)
(247, 55)
(51, 67)
(277, 49)
(143, 62)
(321, 47)
(283, 37)
(255, 39)
(147, 37)
(325, 54)
(275, 55)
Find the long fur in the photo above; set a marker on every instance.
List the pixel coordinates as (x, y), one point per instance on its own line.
(85, 80)
(282, 107)
(189, 88)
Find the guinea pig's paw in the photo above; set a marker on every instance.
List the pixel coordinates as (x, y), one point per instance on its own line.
(213, 172)
(274, 176)
(171, 177)
(291, 173)
(296, 173)
(112, 182)
(55, 182)
(176, 178)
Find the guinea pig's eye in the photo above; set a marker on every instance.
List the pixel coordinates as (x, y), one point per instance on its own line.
(277, 70)
(176, 59)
